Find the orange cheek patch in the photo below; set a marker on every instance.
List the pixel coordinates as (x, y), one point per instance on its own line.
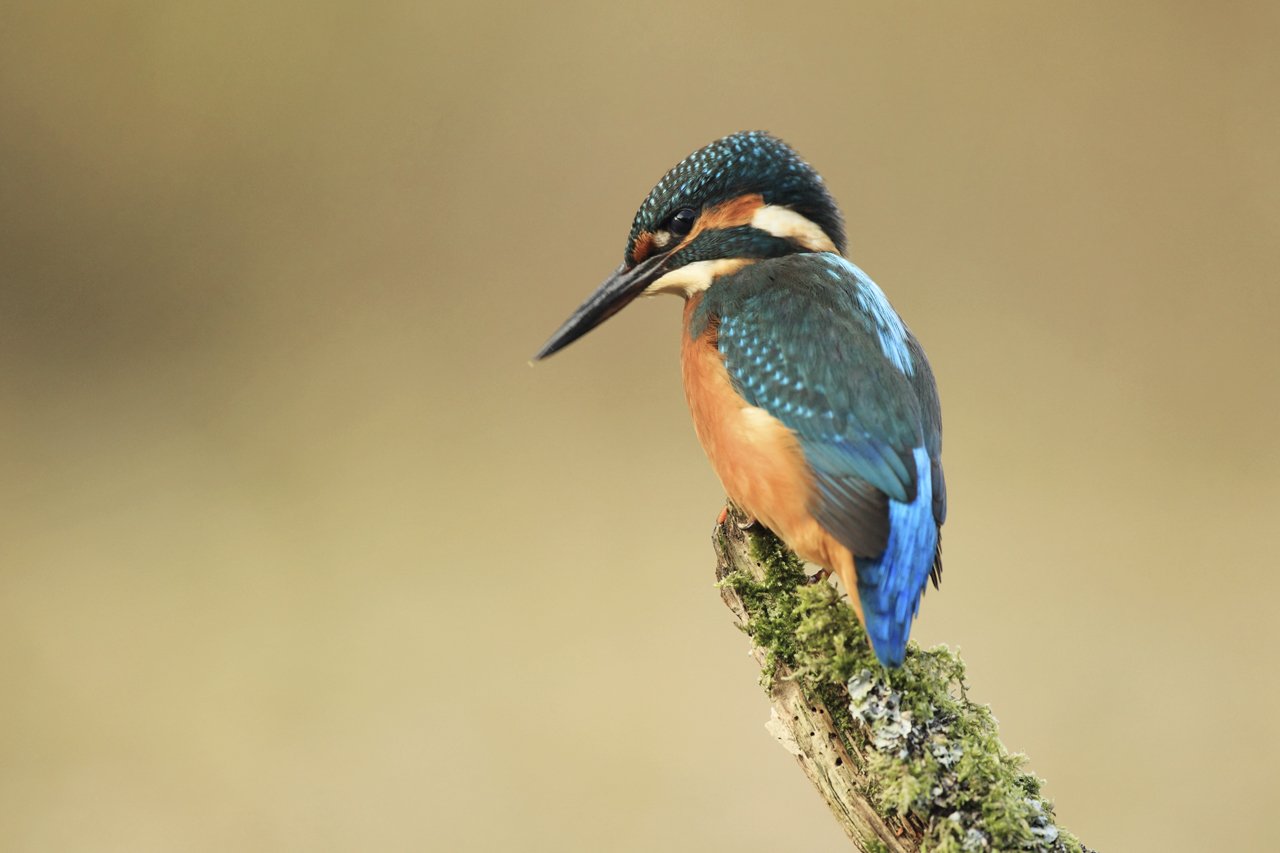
(643, 247)
(729, 214)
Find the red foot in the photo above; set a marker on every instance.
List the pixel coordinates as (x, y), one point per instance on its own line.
(724, 513)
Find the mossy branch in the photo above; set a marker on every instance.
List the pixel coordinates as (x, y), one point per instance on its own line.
(904, 760)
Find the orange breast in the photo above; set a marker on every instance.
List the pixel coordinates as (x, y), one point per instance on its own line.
(758, 460)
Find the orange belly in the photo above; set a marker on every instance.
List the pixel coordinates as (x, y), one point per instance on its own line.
(756, 457)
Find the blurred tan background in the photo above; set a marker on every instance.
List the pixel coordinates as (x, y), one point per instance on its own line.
(298, 553)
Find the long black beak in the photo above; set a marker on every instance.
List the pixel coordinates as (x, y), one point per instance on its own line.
(610, 297)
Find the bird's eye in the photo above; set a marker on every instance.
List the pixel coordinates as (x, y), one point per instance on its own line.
(681, 222)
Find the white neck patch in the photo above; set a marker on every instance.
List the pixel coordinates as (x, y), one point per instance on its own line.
(786, 223)
(695, 277)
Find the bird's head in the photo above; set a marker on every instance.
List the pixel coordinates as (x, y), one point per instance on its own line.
(740, 199)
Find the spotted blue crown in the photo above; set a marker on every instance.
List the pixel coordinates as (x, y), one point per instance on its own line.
(750, 161)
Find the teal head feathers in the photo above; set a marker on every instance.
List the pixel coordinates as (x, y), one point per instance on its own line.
(745, 197)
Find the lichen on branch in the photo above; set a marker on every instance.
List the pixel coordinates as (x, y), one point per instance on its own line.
(908, 762)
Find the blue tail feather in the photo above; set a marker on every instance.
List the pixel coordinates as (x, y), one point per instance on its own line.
(890, 585)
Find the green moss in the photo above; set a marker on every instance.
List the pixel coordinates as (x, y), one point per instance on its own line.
(831, 643)
(1071, 844)
(771, 602)
(930, 752)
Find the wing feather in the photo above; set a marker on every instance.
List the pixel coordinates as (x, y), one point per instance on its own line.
(802, 348)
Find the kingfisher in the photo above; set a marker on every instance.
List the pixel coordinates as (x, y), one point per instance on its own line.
(813, 401)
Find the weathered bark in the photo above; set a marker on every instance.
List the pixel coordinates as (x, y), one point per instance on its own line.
(805, 728)
(912, 764)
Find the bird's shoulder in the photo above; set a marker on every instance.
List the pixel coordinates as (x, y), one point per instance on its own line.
(802, 344)
(815, 320)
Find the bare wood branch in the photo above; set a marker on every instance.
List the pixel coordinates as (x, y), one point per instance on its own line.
(906, 762)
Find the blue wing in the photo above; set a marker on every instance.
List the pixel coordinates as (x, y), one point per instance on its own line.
(813, 341)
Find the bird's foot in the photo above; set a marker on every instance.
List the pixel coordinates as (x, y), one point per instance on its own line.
(748, 520)
(820, 577)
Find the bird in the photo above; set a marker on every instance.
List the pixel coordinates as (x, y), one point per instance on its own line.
(813, 401)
